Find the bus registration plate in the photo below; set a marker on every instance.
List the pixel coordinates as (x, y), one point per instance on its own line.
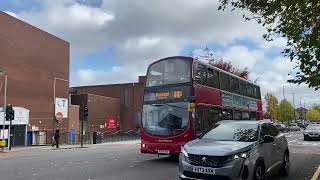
(204, 170)
(163, 151)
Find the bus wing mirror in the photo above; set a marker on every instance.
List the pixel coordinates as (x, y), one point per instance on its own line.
(191, 107)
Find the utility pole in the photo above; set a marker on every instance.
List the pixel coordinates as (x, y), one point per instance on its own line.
(4, 103)
(305, 112)
(300, 109)
(294, 107)
(284, 98)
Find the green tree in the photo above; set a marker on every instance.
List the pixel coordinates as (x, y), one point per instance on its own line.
(298, 22)
(316, 107)
(272, 106)
(286, 111)
(313, 114)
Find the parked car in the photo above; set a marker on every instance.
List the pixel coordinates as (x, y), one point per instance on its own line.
(281, 127)
(293, 127)
(312, 132)
(236, 150)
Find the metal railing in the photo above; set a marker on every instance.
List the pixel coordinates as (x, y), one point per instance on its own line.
(46, 137)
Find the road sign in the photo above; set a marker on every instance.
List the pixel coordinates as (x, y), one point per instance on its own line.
(59, 116)
(61, 105)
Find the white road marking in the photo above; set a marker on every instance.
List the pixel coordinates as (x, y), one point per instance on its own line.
(316, 174)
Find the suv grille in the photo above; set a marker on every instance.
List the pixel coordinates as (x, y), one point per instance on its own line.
(208, 161)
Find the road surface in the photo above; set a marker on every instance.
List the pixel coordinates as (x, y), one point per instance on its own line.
(123, 161)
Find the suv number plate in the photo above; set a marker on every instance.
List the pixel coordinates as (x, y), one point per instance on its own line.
(204, 170)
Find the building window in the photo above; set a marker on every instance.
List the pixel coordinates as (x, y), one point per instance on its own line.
(213, 78)
(224, 81)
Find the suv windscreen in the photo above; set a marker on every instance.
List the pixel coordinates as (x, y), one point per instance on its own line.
(233, 132)
(313, 128)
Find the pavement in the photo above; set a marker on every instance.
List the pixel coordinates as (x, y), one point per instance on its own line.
(123, 161)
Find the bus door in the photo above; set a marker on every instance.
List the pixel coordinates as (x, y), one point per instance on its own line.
(200, 121)
(214, 116)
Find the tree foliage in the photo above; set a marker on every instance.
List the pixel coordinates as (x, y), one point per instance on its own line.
(298, 22)
(272, 106)
(313, 114)
(223, 64)
(286, 111)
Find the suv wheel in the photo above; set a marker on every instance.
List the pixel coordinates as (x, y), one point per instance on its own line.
(284, 171)
(259, 172)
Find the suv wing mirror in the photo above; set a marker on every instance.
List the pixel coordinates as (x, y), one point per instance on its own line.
(268, 139)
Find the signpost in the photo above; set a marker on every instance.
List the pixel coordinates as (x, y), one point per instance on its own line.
(61, 108)
(59, 116)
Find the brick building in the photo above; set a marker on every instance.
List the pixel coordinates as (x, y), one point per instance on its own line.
(130, 96)
(33, 59)
(100, 108)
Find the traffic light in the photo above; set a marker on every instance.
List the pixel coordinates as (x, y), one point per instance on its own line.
(9, 113)
(85, 111)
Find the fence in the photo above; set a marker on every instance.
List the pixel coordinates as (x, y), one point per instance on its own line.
(45, 137)
(120, 135)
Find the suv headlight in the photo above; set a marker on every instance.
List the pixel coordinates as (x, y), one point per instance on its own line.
(243, 155)
(184, 155)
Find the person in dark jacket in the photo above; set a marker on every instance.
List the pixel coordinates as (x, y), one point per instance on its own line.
(56, 138)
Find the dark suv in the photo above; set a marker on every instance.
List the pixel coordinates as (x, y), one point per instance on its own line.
(236, 150)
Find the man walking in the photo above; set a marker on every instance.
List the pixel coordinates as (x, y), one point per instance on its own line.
(56, 138)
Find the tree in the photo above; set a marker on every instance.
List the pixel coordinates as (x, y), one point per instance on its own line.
(286, 111)
(272, 106)
(296, 21)
(316, 107)
(313, 114)
(222, 64)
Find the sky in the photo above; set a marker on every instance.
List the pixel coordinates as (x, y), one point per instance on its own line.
(113, 41)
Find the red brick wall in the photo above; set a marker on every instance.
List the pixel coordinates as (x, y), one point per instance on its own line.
(130, 104)
(33, 58)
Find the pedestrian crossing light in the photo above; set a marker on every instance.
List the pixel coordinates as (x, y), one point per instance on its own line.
(85, 111)
(9, 113)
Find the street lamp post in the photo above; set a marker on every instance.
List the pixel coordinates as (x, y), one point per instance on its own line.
(54, 99)
(2, 72)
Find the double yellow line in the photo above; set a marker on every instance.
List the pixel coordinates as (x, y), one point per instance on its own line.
(316, 174)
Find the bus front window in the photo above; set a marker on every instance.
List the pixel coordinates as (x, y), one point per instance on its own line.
(165, 119)
(169, 71)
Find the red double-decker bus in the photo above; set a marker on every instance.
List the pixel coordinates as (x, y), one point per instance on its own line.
(184, 97)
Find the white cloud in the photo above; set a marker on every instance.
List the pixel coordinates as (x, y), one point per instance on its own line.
(242, 57)
(143, 31)
(117, 74)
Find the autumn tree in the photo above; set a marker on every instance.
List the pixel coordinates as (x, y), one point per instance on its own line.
(286, 111)
(313, 114)
(296, 21)
(225, 65)
(272, 106)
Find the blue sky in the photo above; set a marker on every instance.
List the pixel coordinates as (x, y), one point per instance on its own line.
(113, 41)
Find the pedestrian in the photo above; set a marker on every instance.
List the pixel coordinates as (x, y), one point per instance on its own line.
(56, 138)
